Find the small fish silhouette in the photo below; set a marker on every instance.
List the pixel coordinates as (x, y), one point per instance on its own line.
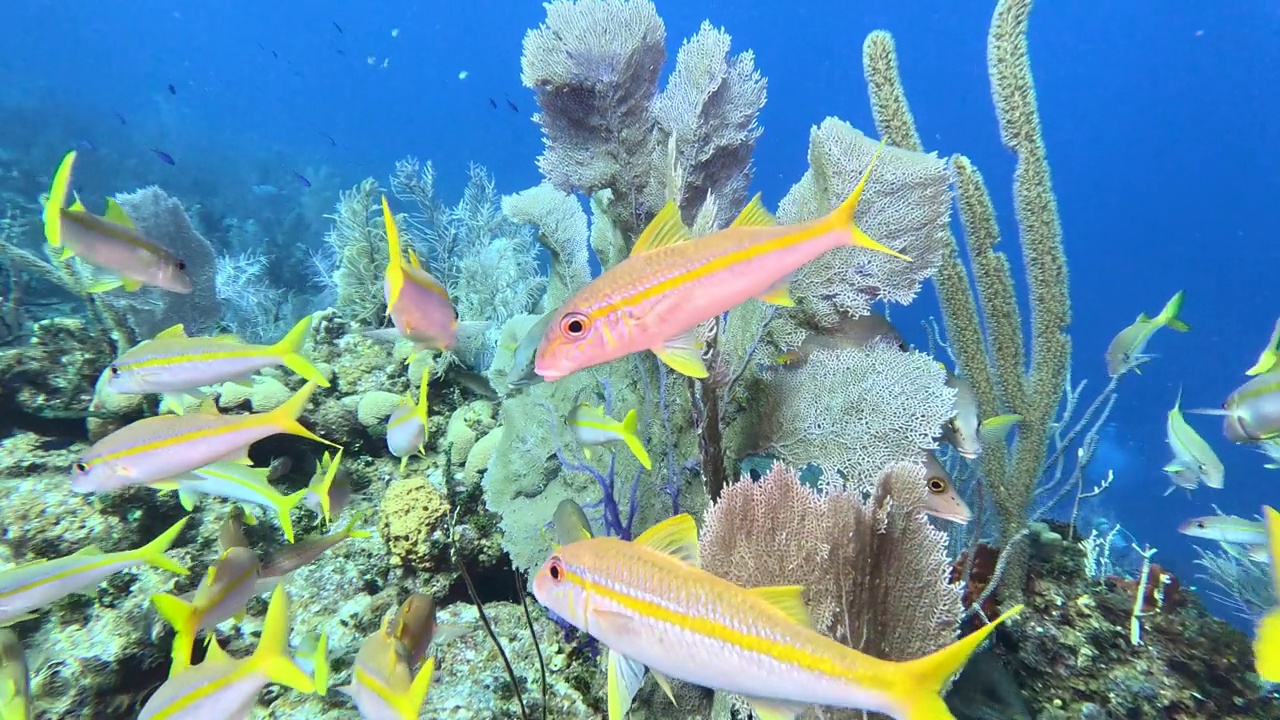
(165, 157)
(329, 137)
(338, 27)
(493, 103)
(172, 89)
(512, 106)
(121, 119)
(341, 52)
(302, 179)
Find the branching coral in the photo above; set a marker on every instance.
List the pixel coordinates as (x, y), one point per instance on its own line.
(906, 206)
(875, 572)
(853, 412)
(994, 362)
(594, 66)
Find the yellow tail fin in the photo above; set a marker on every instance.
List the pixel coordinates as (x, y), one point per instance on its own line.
(919, 696)
(842, 216)
(629, 436)
(58, 200)
(290, 351)
(285, 417)
(153, 553)
(286, 507)
(1169, 315)
(272, 655)
(185, 620)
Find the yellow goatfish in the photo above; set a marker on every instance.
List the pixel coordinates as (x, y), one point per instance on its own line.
(417, 303)
(1191, 454)
(110, 242)
(1252, 411)
(1266, 638)
(591, 426)
(15, 679)
(383, 683)
(652, 606)
(174, 364)
(156, 449)
(672, 283)
(36, 584)
(222, 595)
(223, 687)
(1125, 352)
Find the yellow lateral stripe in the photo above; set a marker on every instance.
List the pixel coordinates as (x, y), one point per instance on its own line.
(104, 560)
(180, 359)
(1258, 391)
(362, 677)
(202, 691)
(168, 442)
(717, 264)
(710, 628)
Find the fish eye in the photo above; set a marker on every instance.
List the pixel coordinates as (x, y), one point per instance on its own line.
(1200, 525)
(953, 426)
(556, 569)
(937, 485)
(574, 325)
(81, 466)
(182, 265)
(115, 371)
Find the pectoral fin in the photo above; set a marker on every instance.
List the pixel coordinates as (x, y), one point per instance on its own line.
(778, 294)
(774, 709)
(683, 354)
(624, 678)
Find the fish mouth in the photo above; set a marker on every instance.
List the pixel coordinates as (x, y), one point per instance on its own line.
(957, 518)
(969, 454)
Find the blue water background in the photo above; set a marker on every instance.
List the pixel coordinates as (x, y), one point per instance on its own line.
(1158, 116)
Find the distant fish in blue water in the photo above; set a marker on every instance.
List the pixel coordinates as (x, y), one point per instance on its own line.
(121, 119)
(493, 103)
(512, 106)
(329, 137)
(172, 89)
(338, 28)
(165, 157)
(302, 179)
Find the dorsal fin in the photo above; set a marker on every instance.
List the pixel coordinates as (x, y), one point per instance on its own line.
(413, 260)
(116, 214)
(755, 214)
(787, 599)
(676, 536)
(175, 331)
(666, 229)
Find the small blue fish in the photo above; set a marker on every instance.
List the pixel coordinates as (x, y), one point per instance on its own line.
(121, 119)
(165, 157)
(302, 179)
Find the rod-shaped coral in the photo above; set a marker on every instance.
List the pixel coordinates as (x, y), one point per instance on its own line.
(995, 361)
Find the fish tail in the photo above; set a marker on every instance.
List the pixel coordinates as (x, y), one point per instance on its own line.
(285, 417)
(286, 507)
(395, 268)
(1169, 315)
(58, 200)
(320, 664)
(1270, 354)
(630, 437)
(290, 351)
(272, 656)
(410, 704)
(322, 490)
(422, 408)
(919, 695)
(183, 616)
(153, 553)
(843, 216)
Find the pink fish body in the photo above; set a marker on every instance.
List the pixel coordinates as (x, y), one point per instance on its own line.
(164, 446)
(648, 602)
(670, 284)
(417, 303)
